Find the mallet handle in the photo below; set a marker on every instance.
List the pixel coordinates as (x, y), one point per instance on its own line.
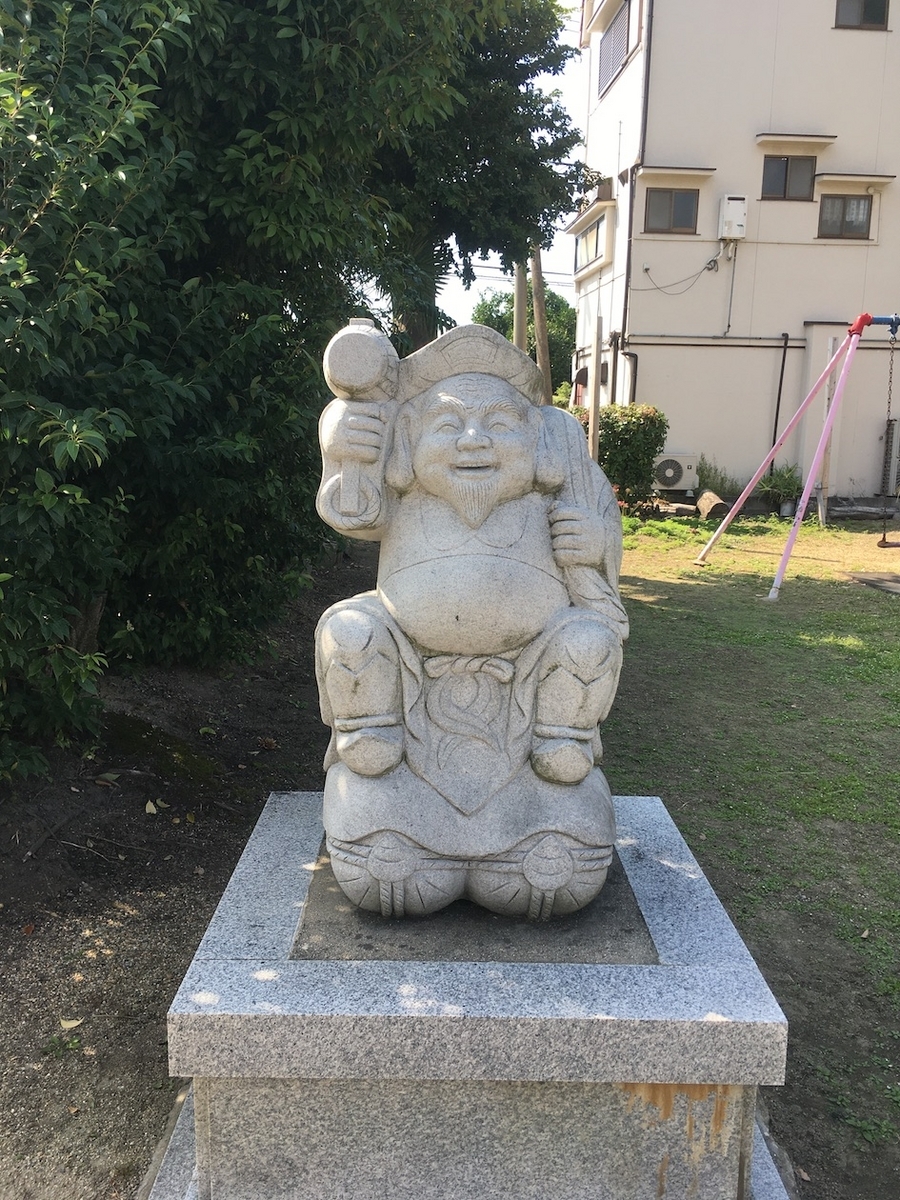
(359, 363)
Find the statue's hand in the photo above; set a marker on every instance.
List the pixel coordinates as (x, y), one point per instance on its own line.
(353, 430)
(577, 536)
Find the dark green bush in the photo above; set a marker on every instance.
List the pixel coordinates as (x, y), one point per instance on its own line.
(184, 222)
(630, 439)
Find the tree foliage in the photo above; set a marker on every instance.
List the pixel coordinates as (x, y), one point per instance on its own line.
(495, 309)
(496, 177)
(184, 220)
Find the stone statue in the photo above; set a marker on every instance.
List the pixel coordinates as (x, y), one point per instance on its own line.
(464, 694)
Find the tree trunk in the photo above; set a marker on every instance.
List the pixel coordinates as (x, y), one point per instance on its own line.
(415, 307)
(541, 340)
(84, 627)
(520, 308)
(709, 505)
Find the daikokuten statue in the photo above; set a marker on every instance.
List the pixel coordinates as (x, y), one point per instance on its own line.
(465, 693)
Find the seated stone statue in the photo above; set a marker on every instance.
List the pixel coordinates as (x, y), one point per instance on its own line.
(465, 693)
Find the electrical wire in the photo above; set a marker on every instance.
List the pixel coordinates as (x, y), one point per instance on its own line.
(711, 264)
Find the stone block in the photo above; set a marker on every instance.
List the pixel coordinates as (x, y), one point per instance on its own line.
(377, 1074)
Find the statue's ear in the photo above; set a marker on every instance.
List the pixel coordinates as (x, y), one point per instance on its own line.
(399, 470)
(549, 473)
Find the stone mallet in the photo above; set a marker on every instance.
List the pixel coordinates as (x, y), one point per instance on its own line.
(359, 364)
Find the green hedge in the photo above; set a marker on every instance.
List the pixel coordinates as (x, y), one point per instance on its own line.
(630, 439)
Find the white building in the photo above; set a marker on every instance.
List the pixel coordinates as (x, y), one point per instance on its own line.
(750, 212)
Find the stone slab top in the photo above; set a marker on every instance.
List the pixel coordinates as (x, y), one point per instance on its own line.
(701, 1013)
(610, 929)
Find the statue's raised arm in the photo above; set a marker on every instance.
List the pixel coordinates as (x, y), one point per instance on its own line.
(361, 367)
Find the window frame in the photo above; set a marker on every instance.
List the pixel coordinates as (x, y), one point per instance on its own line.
(788, 159)
(596, 231)
(862, 23)
(671, 228)
(842, 236)
(611, 34)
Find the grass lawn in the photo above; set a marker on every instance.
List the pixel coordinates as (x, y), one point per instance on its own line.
(772, 733)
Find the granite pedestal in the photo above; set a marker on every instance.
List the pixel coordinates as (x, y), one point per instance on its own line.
(612, 1056)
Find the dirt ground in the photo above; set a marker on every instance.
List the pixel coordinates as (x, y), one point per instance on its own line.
(110, 869)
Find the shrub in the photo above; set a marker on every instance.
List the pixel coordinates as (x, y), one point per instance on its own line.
(780, 484)
(184, 221)
(79, 215)
(630, 438)
(583, 416)
(710, 475)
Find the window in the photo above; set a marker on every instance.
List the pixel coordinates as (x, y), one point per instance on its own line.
(788, 177)
(671, 210)
(861, 14)
(614, 47)
(590, 243)
(845, 216)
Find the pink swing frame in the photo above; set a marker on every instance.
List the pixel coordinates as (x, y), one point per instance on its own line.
(847, 351)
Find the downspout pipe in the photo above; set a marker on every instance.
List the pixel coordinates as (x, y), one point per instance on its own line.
(632, 387)
(632, 187)
(625, 305)
(784, 349)
(615, 339)
(645, 107)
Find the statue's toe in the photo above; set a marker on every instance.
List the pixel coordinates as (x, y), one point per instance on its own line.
(562, 761)
(371, 751)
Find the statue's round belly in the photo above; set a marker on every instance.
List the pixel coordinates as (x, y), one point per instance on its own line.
(471, 603)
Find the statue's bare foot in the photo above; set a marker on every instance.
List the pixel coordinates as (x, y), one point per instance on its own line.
(562, 761)
(371, 751)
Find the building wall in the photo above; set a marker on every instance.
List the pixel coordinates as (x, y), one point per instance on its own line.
(707, 319)
(721, 401)
(613, 136)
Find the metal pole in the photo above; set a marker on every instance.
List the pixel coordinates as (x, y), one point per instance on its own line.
(788, 430)
(786, 337)
(816, 463)
(822, 483)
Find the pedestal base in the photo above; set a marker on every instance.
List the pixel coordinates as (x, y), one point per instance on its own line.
(178, 1176)
(377, 1075)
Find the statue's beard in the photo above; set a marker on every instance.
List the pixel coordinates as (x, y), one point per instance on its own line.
(474, 499)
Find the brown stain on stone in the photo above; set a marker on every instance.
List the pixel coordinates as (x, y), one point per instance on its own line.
(708, 1131)
(724, 1097)
(661, 1177)
(662, 1096)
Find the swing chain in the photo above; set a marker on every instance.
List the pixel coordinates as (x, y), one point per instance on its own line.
(890, 387)
(884, 542)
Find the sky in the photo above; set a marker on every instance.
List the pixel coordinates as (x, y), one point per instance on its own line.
(558, 261)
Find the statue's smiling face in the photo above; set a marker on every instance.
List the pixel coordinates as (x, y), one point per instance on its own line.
(476, 444)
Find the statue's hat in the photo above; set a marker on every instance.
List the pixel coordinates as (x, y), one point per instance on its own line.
(470, 348)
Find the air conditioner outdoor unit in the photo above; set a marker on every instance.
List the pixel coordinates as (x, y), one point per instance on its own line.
(675, 472)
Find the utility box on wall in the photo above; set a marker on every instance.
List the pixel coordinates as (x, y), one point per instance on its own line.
(733, 217)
